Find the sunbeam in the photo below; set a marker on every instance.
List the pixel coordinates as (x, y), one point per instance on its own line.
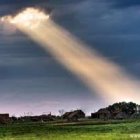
(98, 73)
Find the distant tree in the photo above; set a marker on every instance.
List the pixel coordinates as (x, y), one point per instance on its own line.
(14, 118)
(128, 108)
(131, 108)
(61, 112)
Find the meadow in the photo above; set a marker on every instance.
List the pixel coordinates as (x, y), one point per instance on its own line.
(90, 130)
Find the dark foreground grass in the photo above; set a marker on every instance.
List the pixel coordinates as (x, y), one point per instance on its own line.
(37, 131)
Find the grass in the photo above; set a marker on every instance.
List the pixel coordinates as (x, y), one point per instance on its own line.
(125, 130)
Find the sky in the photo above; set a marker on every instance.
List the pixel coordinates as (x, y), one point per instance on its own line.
(32, 81)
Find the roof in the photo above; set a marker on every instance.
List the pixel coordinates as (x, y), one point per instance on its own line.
(104, 111)
(4, 115)
(78, 113)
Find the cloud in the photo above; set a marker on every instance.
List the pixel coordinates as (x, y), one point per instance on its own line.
(124, 3)
(12, 6)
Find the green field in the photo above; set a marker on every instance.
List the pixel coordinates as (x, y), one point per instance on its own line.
(91, 130)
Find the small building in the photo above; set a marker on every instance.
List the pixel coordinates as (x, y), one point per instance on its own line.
(101, 114)
(95, 115)
(74, 115)
(4, 118)
(48, 117)
(104, 114)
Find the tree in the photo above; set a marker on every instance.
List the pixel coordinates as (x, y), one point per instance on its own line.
(61, 112)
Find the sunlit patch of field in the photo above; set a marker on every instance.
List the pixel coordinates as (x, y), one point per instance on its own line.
(37, 131)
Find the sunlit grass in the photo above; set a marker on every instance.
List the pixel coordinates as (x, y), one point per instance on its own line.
(121, 131)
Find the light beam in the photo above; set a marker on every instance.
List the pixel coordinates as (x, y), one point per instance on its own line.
(98, 73)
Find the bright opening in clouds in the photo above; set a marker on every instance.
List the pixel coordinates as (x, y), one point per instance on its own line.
(27, 17)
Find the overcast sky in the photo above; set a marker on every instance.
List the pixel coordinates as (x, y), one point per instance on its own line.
(32, 81)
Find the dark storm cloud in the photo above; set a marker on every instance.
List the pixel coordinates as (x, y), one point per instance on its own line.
(12, 6)
(21, 2)
(124, 3)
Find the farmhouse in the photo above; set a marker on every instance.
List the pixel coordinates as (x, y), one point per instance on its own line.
(74, 115)
(101, 114)
(4, 118)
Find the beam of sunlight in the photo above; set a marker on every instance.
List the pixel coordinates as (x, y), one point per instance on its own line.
(98, 73)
